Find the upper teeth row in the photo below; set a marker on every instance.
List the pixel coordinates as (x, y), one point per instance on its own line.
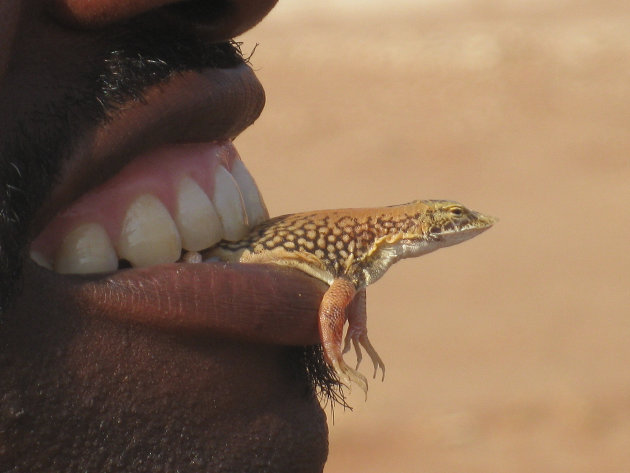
(151, 235)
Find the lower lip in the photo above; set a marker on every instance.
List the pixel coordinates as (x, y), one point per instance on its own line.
(258, 303)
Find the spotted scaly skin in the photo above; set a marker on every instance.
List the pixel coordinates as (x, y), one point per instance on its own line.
(349, 249)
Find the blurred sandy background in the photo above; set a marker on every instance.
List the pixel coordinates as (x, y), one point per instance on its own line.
(511, 352)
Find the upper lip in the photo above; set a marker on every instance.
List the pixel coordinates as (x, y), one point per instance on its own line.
(210, 105)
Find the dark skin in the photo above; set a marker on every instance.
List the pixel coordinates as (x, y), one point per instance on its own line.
(159, 369)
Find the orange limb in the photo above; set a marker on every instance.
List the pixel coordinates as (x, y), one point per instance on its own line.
(332, 317)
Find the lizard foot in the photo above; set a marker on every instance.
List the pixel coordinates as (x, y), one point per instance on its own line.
(359, 338)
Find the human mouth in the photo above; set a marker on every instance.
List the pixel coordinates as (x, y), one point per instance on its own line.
(119, 236)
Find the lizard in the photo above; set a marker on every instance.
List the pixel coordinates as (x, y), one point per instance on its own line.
(349, 249)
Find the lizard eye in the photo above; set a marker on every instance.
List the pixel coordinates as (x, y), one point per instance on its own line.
(457, 211)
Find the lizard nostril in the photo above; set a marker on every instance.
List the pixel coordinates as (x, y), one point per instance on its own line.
(436, 229)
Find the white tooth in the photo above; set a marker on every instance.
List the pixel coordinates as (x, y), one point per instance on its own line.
(254, 204)
(41, 260)
(148, 235)
(86, 249)
(229, 204)
(197, 220)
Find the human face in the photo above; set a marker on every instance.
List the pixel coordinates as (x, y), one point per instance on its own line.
(193, 366)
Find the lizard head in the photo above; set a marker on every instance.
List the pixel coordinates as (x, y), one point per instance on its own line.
(449, 223)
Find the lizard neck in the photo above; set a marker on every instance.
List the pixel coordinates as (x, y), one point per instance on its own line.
(387, 254)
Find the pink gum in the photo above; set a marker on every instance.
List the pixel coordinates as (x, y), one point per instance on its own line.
(156, 173)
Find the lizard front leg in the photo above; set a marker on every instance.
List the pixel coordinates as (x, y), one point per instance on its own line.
(357, 333)
(332, 317)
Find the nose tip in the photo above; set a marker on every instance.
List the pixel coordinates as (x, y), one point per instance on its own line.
(487, 219)
(491, 220)
(223, 19)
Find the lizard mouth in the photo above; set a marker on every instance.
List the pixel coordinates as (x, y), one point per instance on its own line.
(119, 251)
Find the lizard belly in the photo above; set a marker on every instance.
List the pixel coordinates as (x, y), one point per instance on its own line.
(303, 261)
